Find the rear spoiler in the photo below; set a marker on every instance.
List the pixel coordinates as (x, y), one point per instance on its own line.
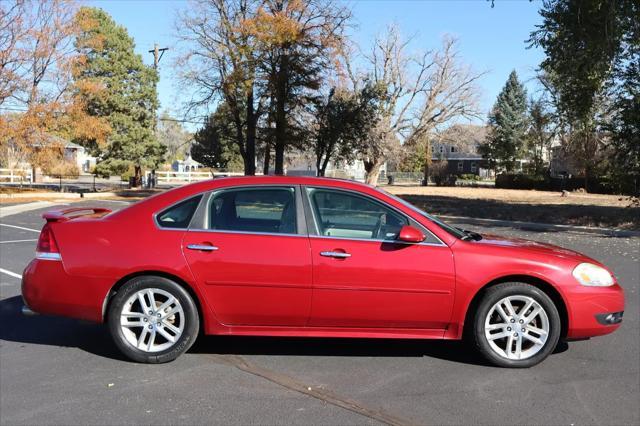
(66, 214)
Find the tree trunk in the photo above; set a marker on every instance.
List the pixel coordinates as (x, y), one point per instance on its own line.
(137, 177)
(319, 169)
(250, 150)
(427, 163)
(267, 159)
(372, 167)
(281, 116)
(587, 173)
(323, 167)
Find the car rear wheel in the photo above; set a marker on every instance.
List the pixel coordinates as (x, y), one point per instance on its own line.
(516, 325)
(153, 320)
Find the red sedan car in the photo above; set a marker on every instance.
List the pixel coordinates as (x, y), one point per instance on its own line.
(288, 256)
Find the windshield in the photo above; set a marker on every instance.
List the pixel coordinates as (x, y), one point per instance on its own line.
(456, 232)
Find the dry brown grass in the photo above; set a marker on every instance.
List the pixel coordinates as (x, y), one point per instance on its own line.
(609, 211)
(512, 196)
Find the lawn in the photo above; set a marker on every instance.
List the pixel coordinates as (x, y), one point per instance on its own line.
(610, 211)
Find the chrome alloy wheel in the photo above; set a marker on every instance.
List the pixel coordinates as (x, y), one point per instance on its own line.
(152, 320)
(516, 327)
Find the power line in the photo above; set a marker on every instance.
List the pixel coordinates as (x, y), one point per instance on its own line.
(181, 121)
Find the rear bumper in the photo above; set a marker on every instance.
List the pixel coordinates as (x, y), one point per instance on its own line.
(592, 311)
(48, 289)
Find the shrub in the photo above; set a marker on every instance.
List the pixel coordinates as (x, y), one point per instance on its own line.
(445, 180)
(64, 168)
(469, 176)
(598, 185)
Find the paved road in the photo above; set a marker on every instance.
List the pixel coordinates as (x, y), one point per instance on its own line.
(58, 371)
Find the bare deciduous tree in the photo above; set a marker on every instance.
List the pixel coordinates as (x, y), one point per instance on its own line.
(219, 65)
(424, 92)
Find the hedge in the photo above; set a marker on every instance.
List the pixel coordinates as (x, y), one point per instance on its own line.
(599, 185)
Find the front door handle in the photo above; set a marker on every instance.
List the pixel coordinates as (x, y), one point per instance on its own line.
(202, 247)
(336, 254)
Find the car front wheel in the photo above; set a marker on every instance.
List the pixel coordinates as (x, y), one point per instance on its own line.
(153, 320)
(516, 325)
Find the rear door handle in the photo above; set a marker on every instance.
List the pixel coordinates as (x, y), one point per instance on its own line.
(336, 254)
(202, 247)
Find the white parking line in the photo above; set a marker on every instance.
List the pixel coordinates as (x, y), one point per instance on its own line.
(20, 227)
(16, 241)
(11, 274)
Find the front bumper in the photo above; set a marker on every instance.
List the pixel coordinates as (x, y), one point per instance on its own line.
(594, 311)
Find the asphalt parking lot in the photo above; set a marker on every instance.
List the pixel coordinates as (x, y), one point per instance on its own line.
(59, 371)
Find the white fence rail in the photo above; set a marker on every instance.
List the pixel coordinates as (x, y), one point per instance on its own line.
(186, 177)
(15, 175)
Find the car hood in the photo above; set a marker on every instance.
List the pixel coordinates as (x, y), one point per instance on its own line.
(534, 246)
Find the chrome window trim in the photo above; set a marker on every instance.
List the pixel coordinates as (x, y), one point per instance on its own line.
(368, 240)
(409, 219)
(225, 231)
(209, 195)
(162, 228)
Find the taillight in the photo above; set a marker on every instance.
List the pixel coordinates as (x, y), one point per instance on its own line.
(47, 248)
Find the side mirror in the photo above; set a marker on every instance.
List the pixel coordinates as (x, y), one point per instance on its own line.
(409, 234)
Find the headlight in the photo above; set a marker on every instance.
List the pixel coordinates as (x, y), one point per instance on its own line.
(592, 275)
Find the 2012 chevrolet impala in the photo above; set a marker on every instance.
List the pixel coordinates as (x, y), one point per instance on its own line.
(313, 257)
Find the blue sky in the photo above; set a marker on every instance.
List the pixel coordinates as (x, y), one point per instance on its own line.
(492, 39)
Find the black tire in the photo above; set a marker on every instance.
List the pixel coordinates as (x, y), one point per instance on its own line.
(492, 296)
(190, 317)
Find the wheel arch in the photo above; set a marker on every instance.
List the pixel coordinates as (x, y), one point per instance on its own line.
(180, 281)
(548, 288)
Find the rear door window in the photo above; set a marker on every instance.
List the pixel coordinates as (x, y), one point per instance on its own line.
(261, 210)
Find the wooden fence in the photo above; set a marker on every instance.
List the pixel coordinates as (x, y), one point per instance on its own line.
(16, 175)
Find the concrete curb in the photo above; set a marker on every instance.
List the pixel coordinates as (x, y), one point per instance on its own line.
(56, 195)
(70, 195)
(21, 208)
(610, 232)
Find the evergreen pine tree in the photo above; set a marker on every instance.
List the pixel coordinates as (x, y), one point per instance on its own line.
(507, 126)
(118, 86)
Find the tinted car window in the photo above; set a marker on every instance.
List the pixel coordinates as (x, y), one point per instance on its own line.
(341, 214)
(180, 214)
(271, 210)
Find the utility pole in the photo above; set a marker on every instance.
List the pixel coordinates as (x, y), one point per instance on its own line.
(157, 54)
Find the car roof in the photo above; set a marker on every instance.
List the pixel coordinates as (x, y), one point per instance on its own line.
(221, 182)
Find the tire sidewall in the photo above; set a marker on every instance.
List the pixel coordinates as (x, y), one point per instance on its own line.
(492, 296)
(189, 334)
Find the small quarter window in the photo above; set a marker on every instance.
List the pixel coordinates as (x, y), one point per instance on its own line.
(179, 215)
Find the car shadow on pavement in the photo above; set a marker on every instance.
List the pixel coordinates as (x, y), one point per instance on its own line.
(95, 339)
(447, 350)
(54, 331)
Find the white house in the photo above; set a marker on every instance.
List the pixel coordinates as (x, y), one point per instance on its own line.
(305, 165)
(71, 152)
(186, 165)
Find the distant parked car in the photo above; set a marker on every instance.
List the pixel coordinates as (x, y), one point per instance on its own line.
(313, 257)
